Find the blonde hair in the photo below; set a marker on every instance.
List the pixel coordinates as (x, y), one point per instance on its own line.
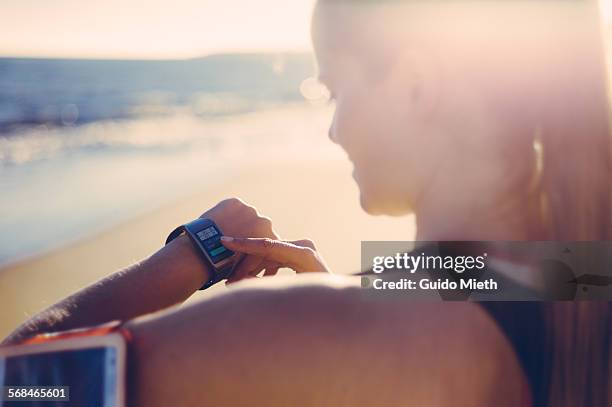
(576, 205)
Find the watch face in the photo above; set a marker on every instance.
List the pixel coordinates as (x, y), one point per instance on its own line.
(210, 239)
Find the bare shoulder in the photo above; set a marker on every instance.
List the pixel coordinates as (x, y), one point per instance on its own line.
(323, 343)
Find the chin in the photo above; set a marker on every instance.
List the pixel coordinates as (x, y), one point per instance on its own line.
(381, 207)
(373, 206)
(368, 207)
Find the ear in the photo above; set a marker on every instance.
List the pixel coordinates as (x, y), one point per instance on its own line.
(416, 79)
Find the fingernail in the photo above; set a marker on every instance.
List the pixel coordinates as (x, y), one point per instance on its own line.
(227, 239)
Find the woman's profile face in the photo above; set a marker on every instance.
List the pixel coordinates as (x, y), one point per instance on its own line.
(378, 119)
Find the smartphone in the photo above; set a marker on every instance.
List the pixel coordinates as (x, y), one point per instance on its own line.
(83, 371)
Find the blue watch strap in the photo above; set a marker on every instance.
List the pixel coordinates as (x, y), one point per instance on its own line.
(175, 233)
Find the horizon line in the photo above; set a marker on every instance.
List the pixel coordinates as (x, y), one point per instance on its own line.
(161, 58)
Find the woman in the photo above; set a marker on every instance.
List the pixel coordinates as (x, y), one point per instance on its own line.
(487, 120)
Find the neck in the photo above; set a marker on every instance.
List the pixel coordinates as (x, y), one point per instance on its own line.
(457, 213)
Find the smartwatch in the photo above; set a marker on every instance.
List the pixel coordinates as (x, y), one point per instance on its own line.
(206, 237)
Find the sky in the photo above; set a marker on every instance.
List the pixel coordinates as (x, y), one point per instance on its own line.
(151, 29)
(155, 29)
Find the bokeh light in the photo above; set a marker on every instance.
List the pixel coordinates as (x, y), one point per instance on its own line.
(314, 91)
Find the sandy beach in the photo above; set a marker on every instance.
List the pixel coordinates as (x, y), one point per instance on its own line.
(304, 198)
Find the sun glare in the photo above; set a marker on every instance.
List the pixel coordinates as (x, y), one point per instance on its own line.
(152, 29)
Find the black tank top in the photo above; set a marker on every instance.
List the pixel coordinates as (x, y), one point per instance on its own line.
(524, 325)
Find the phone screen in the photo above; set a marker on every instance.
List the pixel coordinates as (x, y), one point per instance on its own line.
(89, 376)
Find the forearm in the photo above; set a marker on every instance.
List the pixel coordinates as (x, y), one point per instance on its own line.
(166, 278)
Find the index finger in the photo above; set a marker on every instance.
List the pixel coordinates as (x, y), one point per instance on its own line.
(283, 252)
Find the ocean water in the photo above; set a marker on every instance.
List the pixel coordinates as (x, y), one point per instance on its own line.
(87, 144)
(72, 91)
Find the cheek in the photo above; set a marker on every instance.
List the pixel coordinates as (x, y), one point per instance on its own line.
(364, 127)
(360, 127)
(383, 141)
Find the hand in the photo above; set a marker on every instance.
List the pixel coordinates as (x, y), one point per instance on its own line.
(300, 255)
(236, 218)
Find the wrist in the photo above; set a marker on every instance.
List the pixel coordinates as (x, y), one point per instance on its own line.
(183, 261)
